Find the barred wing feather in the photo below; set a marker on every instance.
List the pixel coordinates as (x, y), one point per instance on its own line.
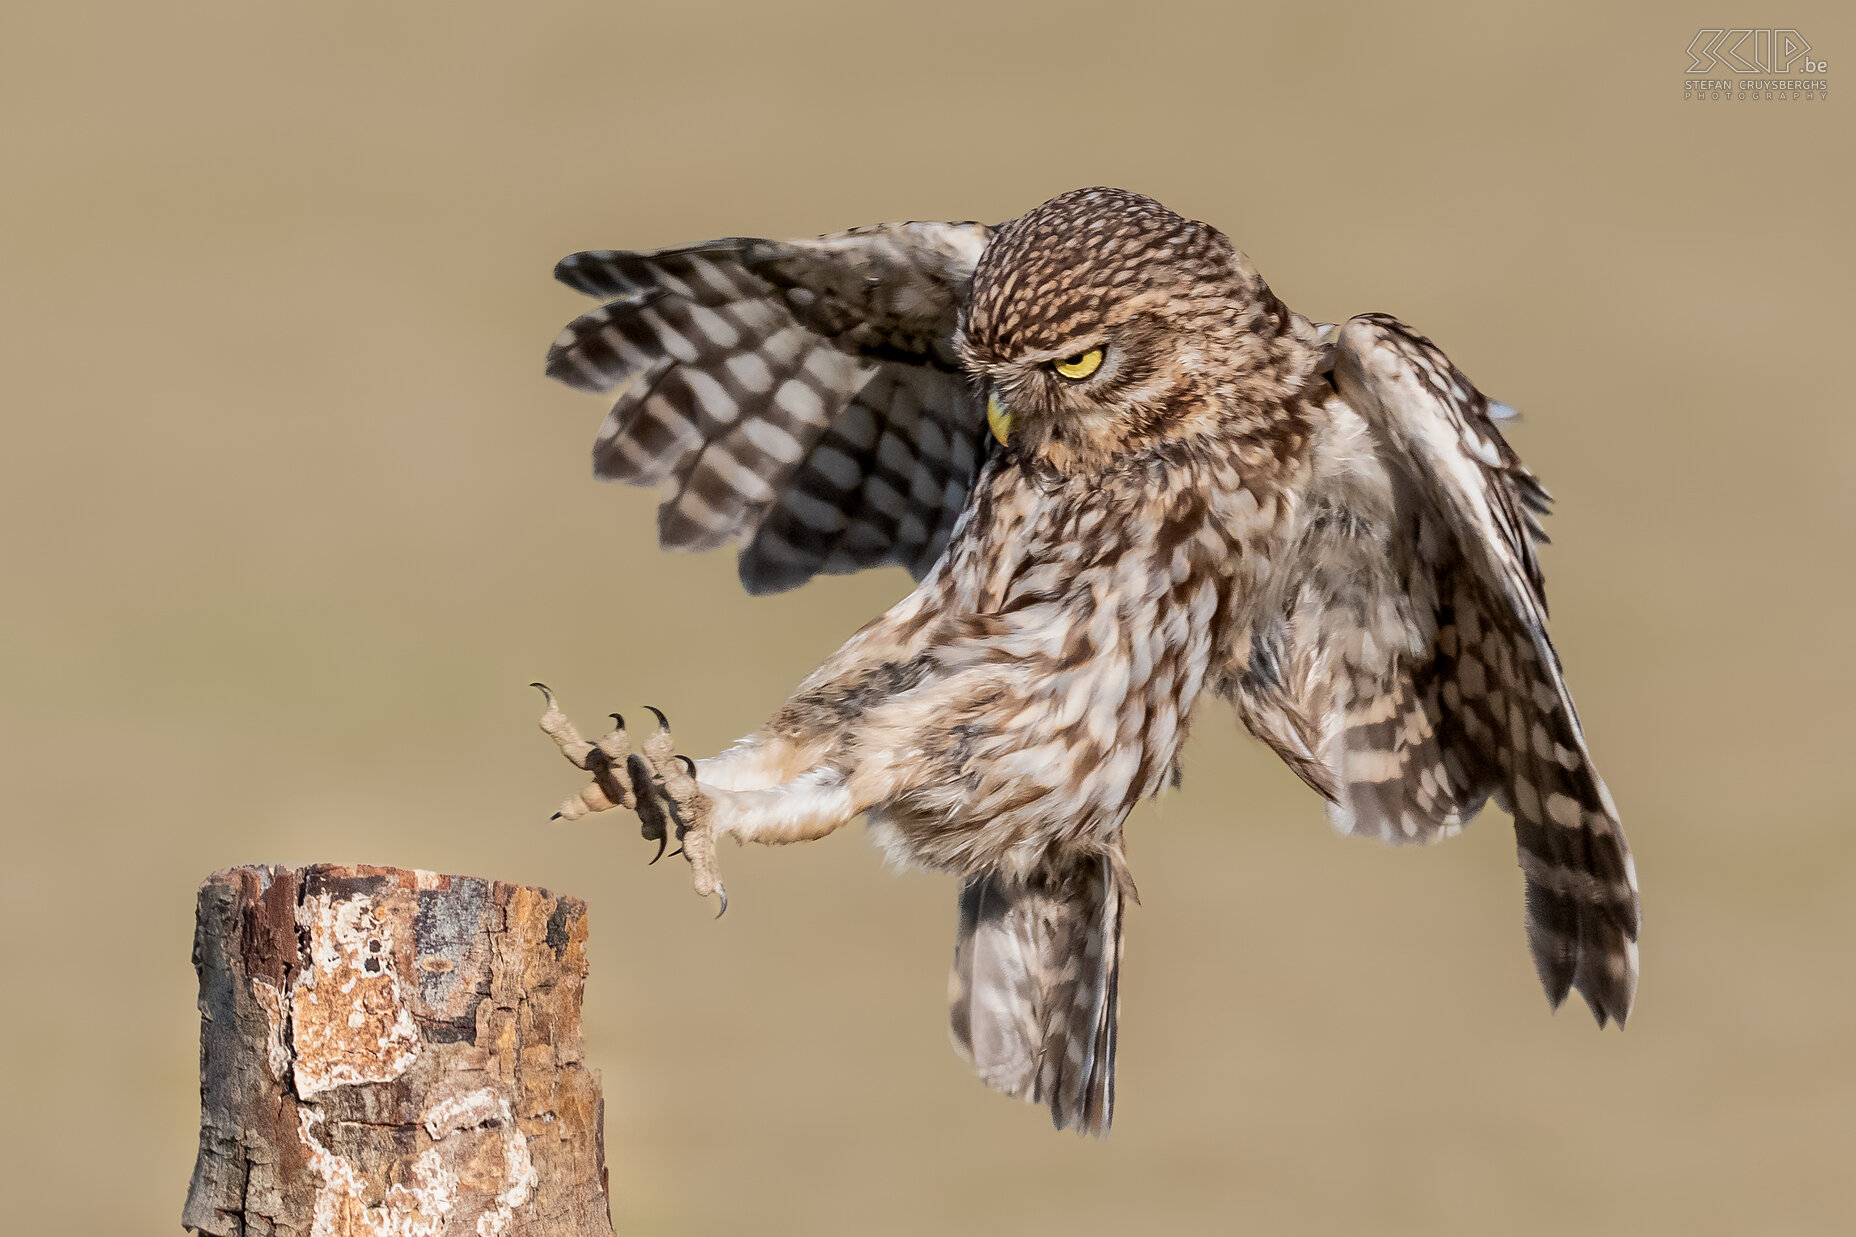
(800, 399)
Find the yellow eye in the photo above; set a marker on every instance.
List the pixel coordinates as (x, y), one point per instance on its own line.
(1080, 366)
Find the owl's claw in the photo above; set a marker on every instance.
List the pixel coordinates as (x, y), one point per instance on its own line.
(659, 784)
(653, 820)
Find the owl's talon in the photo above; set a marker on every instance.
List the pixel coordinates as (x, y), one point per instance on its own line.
(653, 821)
(658, 783)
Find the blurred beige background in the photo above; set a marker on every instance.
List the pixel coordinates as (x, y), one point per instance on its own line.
(291, 519)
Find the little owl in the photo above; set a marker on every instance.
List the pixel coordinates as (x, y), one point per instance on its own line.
(1124, 474)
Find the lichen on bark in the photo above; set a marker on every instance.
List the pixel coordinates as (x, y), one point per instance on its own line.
(390, 1053)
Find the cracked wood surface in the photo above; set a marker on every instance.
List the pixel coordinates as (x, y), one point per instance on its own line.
(389, 1053)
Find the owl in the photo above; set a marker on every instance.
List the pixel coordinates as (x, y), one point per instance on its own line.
(1125, 477)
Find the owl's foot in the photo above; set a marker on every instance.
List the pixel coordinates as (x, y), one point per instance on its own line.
(658, 783)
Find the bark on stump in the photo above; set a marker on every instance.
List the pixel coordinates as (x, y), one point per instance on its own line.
(393, 1052)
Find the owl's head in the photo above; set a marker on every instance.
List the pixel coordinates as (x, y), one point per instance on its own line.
(1102, 323)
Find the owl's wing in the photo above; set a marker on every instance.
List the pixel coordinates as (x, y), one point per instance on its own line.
(1410, 676)
(799, 398)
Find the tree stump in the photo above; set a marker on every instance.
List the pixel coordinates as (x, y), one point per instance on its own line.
(391, 1052)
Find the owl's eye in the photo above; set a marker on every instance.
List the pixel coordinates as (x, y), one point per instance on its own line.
(1079, 366)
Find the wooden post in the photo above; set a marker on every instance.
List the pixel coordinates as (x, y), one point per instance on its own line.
(385, 1052)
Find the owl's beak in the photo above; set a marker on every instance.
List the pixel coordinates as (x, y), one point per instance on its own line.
(999, 417)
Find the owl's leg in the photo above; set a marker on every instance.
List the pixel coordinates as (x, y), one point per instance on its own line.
(657, 783)
(807, 807)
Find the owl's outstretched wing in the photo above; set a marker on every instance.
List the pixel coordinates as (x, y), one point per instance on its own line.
(1410, 677)
(799, 398)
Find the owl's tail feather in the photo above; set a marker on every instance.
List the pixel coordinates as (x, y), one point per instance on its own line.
(1033, 991)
